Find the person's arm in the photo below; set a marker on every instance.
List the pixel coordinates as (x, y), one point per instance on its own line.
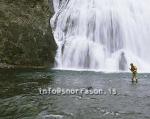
(130, 69)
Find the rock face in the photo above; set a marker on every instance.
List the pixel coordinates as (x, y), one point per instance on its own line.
(25, 35)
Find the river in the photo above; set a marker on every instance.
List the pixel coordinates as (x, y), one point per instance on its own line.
(20, 97)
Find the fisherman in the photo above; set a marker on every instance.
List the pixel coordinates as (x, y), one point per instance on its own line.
(134, 72)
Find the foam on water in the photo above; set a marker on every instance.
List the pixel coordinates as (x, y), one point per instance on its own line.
(93, 34)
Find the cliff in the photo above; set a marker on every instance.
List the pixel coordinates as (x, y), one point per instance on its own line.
(26, 38)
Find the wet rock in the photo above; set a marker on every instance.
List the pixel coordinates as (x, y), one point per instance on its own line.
(90, 88)
(4, 65)
(25, 35)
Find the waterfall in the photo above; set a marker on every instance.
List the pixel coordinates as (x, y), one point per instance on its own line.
(104, 35)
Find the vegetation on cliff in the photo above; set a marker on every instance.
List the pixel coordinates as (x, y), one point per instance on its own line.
(25, 35)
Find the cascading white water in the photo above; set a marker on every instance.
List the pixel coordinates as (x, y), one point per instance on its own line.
(102, 34)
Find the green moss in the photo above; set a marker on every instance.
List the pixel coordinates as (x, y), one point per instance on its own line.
(25, 34)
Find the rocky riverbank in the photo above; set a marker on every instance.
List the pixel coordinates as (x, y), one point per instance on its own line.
(26, 38)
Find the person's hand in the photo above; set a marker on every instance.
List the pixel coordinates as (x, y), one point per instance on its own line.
(134, 71)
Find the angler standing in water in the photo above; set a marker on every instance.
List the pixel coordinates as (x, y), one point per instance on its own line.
(134, 72)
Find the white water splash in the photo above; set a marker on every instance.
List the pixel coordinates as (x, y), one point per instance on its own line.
(94, 34)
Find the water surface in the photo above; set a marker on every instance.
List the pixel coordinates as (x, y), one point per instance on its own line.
(20, 97)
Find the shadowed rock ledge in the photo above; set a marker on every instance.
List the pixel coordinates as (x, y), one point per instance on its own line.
(26, 38)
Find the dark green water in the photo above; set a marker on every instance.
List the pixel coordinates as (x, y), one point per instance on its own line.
(20, 97)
